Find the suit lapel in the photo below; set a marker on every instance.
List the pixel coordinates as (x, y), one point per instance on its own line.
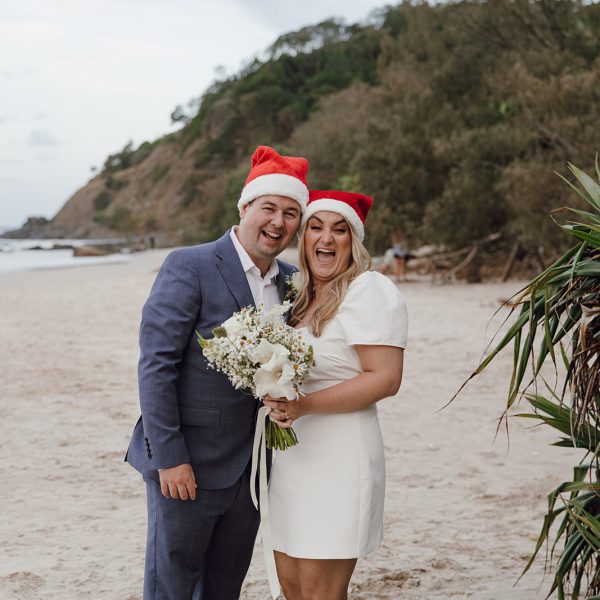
(230, 267)
(280, 281)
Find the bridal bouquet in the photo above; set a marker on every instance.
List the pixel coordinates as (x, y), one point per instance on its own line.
(261, 354)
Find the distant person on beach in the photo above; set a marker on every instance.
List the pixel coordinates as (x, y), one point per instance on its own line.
(396, 257)
(326, 494)
(193, 442)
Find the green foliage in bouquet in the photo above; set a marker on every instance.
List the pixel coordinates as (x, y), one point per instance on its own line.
(557, 319)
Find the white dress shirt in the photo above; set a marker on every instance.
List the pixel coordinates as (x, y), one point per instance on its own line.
(264, 289)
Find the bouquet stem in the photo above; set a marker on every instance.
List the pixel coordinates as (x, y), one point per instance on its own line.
(279, 438)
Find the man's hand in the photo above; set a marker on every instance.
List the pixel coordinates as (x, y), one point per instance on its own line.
(178, 482)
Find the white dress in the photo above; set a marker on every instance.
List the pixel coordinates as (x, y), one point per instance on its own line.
(326, 494)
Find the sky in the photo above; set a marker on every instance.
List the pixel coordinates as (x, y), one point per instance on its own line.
(80, 78)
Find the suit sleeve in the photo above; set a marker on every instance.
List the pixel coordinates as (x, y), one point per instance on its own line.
(168, 320)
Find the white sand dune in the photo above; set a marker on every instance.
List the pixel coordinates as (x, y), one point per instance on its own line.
(461, 511)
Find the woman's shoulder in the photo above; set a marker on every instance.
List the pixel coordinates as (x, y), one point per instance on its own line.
(373, 282)
(372, 289)
(374, 312)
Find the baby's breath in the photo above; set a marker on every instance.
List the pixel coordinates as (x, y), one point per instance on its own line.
(232, 347)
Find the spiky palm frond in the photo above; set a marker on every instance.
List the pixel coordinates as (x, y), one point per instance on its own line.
(557, 318)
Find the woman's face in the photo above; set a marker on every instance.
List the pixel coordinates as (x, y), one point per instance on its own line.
(327, 245)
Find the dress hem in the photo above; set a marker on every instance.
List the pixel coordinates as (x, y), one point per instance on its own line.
(329, 554)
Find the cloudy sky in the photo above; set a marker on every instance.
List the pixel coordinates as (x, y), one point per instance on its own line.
(80, 78)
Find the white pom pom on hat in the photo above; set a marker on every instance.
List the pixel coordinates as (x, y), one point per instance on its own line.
(352, 206)
(272, 174)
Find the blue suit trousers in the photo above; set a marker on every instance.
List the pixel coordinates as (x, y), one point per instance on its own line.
(199, 549)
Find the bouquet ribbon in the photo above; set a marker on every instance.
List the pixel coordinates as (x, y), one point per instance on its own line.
(262, 503)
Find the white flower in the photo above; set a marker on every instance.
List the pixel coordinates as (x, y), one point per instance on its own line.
(275, 315)
(275, 378)
(294, 283)
(265, 352)
(234, 326)
(296, 280)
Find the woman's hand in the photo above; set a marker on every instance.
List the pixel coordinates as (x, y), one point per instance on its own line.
(283, 411)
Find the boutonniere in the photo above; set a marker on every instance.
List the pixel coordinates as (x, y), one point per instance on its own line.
(293, 283)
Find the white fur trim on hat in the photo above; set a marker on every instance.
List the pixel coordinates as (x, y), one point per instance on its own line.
(339, 207)
(275, 184)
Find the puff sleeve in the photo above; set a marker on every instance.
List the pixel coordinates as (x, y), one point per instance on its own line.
(374, 312)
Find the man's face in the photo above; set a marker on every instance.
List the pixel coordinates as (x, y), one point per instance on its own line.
(267, 226)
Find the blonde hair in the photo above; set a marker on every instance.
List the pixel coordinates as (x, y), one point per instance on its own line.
(360, 261)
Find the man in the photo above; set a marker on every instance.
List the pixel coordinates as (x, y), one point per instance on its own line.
(193, 442)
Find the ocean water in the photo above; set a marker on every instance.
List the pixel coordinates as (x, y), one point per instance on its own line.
(19, 255)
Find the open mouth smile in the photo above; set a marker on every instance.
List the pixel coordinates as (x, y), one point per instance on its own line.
(274, 237)
(325, 255)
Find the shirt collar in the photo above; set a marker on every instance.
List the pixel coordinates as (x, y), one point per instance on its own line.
(248, 263)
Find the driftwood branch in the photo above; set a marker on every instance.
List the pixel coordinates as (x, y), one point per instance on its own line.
(451, 274)
(494, 255)
(510, 263)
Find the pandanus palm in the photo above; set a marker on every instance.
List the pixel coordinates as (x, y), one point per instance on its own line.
(556, 319)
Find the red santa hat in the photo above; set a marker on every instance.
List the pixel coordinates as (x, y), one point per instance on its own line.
(352, 206)
(273, 174)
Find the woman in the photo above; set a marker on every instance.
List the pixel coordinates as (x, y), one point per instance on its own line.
(326, 494)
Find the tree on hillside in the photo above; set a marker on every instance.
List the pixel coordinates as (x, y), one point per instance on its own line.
(310, 38)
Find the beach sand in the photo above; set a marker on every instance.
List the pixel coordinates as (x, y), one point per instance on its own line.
(462, 511)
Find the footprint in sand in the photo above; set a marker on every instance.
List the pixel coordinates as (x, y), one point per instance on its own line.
(388, 581)
(20, 584)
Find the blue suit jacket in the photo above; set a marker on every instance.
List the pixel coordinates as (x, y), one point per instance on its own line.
(190, 412)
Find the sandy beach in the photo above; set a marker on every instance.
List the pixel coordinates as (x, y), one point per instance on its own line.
(462, 510)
